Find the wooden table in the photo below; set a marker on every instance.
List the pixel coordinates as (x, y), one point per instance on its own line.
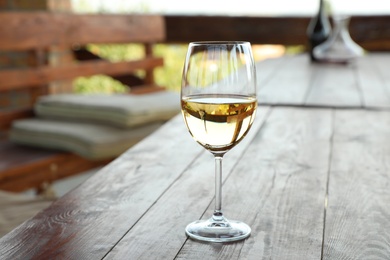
(293, 80)
(312, 180)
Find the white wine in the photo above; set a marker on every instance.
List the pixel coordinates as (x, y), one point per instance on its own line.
(218, 122)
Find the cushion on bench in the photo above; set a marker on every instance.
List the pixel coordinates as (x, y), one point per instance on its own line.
(93, 141)
(94, 126)
(119, 110)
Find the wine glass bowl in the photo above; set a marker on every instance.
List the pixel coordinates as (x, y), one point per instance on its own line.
(218, 101)
(218, 123)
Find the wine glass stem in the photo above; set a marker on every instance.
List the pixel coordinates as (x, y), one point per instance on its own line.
(218, 216)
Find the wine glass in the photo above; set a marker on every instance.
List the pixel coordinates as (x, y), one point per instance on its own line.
(218, 103)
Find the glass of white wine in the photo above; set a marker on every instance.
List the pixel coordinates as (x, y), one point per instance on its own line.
(218, 103)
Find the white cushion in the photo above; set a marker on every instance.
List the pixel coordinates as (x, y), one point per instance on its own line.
(121, 110)
(93, 141)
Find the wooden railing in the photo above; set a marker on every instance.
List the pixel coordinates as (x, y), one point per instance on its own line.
(371, 32)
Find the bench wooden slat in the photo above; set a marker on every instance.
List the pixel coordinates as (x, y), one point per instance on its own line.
(11, 79)
(7, 117)
(23, 168)
(42, 29)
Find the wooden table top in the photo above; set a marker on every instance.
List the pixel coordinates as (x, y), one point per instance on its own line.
(312, 182)
(294, 80)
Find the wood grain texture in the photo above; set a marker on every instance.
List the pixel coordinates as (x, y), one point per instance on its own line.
(23, 168)
(380, 63)
(88, 222)
(44, 29)
(295, 81)
(252, 190)
(278, 188)
(6, 117)
(311, 182)
(358, 214)
(289, 82)
(265, 71)
(371, 32)
(183, 203)
(334, 85)
(373, 82)
(276, 180)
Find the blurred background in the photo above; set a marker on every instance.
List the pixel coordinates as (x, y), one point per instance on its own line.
(174, 53)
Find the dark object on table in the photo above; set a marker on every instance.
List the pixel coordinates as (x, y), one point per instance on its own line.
(318, 30)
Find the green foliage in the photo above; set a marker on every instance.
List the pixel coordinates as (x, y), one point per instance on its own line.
(118, 52)
(103, 6)
(295, 49)
(98, 84)
(168, 76)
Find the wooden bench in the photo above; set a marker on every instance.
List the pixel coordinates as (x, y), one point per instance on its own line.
(39, 33)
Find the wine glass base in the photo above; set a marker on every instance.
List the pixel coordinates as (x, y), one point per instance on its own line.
(216, 231)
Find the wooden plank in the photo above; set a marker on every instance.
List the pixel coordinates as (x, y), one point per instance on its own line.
(380, 63)
(298, 82)
(45, 171)
(290, 84)
(12, 155)
(90, 220)
(7, 117)
(373, 80)
(334, 85)
(265, 71)
(195, 189)
(23, 168)
(357, 217)
(29, 30)
(371, 32)
(248, 28)
(12, 79)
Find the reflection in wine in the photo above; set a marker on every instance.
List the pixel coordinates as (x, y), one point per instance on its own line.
(218, 123)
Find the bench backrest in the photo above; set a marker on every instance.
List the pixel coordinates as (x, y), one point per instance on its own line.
(40, 32)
